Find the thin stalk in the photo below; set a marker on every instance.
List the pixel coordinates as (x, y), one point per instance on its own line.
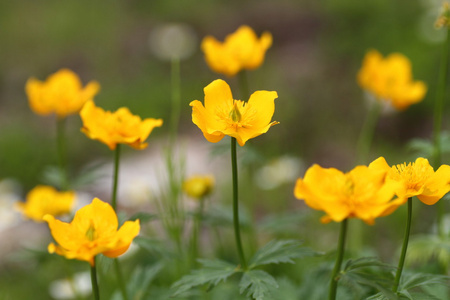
(122, 287)
(61, 145)
(243, 85)
(176, 100)
(367, 133)
(438, 110)
(340, 257)
(115, 177)
(94, 282)
(196, 230)
(404, 248)
(237, 232)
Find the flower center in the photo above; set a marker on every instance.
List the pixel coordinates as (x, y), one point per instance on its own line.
(414, 175)
(90, 233)
(235, 114)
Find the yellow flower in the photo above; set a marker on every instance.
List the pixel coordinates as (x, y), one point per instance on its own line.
(62, 93)
(390, 79)
(198, 186)
(417, 179)
(44, 200)
(240, 50)
(222, 115)
(361, 193)
(92, 231)
(120, 127)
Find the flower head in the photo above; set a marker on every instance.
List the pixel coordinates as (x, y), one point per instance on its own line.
(93, 230)
(198, 187)
(43, 200)
(222, 115)
(417, 179)
(362, 193)
(62, 93)
(119, 127)
(240, 50)
(390, 79)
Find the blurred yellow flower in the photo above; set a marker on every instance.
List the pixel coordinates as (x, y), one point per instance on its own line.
(198, 186)
(62, 93)
(120, 127)
(222, 115)
(240, 50)
(44, 200)
(93, 230)
(390, 79)
(362, 193)
(417, 179)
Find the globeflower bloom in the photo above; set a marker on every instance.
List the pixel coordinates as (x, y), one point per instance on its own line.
(222, 115)
(362, 193)
(390, 79)
(93, 230)
(417, 179)
(240, 50)
(62, 93)
(198, 187)
(119, 127)
(43, 200)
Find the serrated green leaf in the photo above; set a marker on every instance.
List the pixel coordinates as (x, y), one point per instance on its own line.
(276, 252)
(257, 283)
(141, 279)
(418, 296)
(212, 273)
(410, 281)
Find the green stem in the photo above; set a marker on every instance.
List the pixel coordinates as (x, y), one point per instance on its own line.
(438, 110)
(94, 282)
(196, 230)
(243, 85)
(340, 257)
(237, 232)
(176, 100)
(367, 133)
(122, 286)
(115, 177)
(61, 143)
(404, 248)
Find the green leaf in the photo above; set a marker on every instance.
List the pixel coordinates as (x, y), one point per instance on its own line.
(141, 279)
(153, 246)
(143, 217)
(423, 248)
(212, 273)
(276, 252)
(257, 283)
(411, 281)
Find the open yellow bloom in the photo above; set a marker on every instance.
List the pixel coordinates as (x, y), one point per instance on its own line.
(92, 231)
(390, 79)
(362, 193)
(43, 200)
(222, 115)
(417, 179)
(62, 93)
(119, 127)
(240, 50)
(198, 187)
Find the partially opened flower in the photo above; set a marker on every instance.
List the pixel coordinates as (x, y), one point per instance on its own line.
(43, 200)
(362, 193)
(119, 127)
(240, 50)
(62, 93)
(417, 179)
(390, 79)
(222, 115)
(198, 187)
(93, 230)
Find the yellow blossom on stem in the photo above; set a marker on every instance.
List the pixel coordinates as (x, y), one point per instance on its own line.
(198, 187)
(240, 50)
(93, 230)
(119, 127)
(43, 200)
(362, 193)
(62, 93)
(222, 115)
(417, 179)
(390, 79)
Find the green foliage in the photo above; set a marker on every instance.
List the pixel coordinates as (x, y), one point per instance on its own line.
(154, 246)
(257, 283)
(423, 248)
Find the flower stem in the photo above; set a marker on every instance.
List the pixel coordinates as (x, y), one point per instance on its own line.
(122, 286)
(437, 124)
(94, 282)
(404, 247)
(337, 266)
(196, 230)
(367, 133)
(237, 232)
(176, 99)
(243, 85)
(115, 177)
(61, 143)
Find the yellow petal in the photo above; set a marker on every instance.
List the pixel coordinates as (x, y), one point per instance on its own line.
(206, 122)
(264, 104)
